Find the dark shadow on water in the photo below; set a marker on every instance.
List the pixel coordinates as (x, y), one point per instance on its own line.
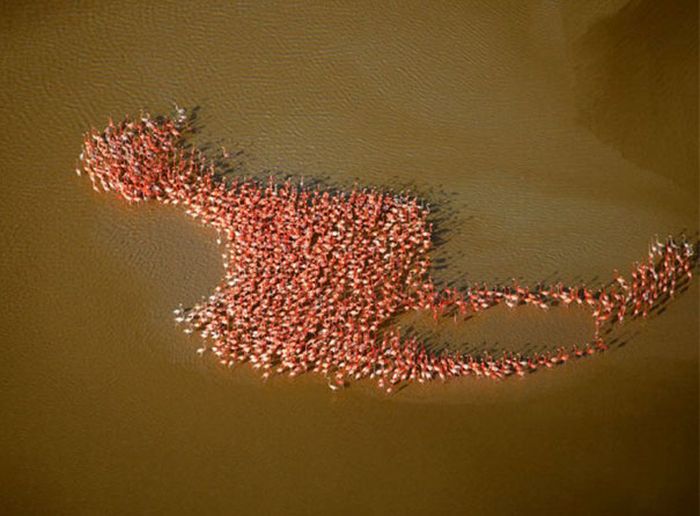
(636, 85)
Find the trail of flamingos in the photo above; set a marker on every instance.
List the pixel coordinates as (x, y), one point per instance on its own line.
(313, 278)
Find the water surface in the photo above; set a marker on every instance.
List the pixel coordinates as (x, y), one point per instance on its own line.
(557, 140)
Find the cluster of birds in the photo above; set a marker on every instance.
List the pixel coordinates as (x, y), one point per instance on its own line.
(313, 278)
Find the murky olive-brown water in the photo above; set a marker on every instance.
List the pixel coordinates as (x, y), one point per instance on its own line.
(558, 139)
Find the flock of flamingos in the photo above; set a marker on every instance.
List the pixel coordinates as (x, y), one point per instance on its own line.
(313, 278)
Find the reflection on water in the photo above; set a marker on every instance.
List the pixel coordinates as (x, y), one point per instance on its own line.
(555, 137)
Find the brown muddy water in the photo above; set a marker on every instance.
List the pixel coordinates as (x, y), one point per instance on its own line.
(557, 139)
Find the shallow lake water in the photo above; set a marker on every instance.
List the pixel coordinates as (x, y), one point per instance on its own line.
(556, 139)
